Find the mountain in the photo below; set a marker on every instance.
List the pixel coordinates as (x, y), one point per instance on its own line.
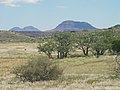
(70, 25)
(16, 29)
(27, 28)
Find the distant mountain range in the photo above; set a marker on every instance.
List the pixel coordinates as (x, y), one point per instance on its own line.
(27, 28)
(65, 26)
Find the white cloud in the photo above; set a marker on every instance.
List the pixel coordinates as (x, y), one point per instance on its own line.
(14, 2)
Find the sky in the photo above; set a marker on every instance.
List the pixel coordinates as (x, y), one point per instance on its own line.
(47, 14)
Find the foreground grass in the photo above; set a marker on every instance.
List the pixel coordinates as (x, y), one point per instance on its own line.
(80, 73)
(73, 82)
(88, 65)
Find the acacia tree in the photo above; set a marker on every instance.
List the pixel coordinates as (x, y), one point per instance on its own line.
(100, 47)
(64, 43)
(101, 43)
(84, 41)
(47, 47)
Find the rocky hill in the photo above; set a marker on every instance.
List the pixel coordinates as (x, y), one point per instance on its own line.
(73, 26)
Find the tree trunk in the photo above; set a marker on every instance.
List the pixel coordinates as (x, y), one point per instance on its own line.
(66, 54)
(61, 55)
(102, 52)
(97, 53)
(49, 55)
(58, 56)
(85, 51)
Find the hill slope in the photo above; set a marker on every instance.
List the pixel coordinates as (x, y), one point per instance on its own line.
(9, 36)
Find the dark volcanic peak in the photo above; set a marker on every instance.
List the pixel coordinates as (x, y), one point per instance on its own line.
(27, 28)
(70, 25)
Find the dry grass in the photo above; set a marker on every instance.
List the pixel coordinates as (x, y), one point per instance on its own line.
(87, 65)
(80, 73)
(14, 54)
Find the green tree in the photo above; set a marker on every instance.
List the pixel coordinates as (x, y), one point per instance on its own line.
(100, 47)
(101, 42)
(47, 47)
(64, 43)
(84, 41)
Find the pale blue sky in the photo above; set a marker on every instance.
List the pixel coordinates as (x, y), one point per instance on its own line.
(47, 14)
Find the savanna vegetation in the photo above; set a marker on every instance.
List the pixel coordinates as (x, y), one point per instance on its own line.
(86, 60)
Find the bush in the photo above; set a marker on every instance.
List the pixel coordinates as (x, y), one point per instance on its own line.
(39, 69)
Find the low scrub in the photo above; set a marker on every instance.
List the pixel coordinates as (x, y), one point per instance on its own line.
(38, 69)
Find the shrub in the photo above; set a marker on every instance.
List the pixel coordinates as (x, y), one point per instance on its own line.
(39, 69)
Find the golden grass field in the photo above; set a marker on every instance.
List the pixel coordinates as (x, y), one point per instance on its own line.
(80, 73)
